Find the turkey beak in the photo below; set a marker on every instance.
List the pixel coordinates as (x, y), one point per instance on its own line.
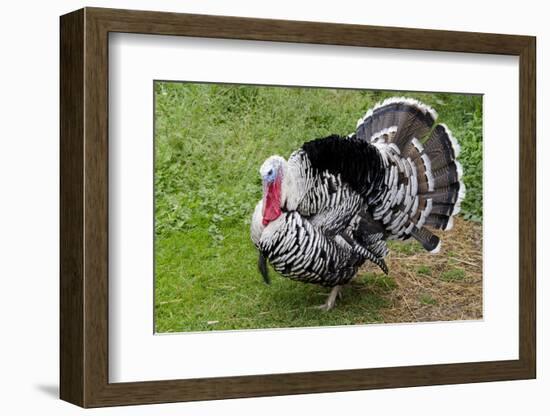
(262, 267)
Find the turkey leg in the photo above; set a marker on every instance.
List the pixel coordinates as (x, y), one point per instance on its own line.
(331, 300)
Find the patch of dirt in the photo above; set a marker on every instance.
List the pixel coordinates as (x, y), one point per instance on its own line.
(437, 287)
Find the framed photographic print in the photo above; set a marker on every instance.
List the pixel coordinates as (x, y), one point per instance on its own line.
(255, 207)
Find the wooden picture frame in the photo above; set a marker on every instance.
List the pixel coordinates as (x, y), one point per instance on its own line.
(84, 207)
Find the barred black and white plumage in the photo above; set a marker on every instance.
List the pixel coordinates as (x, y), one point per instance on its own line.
(300, 251)
(334, 203)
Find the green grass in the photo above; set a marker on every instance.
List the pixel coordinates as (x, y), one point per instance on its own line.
(209, 143)
(406, 247)
(424, 270)
(427, 299)
(453, 275)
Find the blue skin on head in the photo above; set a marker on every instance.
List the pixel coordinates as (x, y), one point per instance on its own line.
(270, 176)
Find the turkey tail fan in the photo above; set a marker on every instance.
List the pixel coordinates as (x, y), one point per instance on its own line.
(447, 189)
(396, 120)
(433, 173)
(423, 179)
(439, 185)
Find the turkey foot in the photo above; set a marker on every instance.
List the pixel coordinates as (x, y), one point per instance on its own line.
(331, 300)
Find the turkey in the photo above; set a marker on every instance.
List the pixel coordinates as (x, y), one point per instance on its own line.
(335, 202)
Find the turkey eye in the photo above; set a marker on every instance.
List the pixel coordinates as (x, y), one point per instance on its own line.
(270, 172)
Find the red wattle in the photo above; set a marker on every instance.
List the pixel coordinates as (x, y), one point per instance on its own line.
(272, 202)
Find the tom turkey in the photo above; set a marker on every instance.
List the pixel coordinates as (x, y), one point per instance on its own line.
(333, 204)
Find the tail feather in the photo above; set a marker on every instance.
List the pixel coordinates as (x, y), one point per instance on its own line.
(429, 241)
(449, 194)
(442, 182)
(450, 174)
(438, 221)
(442, 209)
(398, 127)
(442, 147)
(399, 119)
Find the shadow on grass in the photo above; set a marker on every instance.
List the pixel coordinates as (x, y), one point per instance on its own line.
(293, 304)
